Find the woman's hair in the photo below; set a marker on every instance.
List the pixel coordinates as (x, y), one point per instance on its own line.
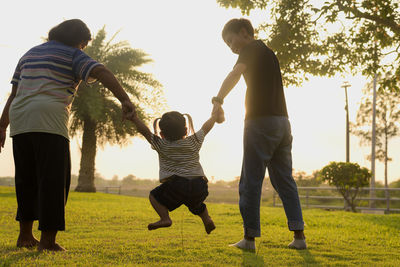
(235, 25)
(173, 125)
(70, 32)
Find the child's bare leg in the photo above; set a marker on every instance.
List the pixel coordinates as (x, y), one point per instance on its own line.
(48, 242)
(207, 221)
(26, 238)
(162, 211)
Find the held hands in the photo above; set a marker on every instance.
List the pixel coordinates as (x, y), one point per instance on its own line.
(218, 113)
(128, 110)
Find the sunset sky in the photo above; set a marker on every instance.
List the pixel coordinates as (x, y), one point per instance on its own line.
(183, 37)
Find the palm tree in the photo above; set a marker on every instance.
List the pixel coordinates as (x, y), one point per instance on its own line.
(96, 115)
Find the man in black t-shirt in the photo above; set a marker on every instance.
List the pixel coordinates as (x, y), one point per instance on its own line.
(267, 134)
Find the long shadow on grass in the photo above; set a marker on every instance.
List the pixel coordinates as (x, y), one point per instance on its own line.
(309, 259)
(307, 256)
(15, 255)
(252, 259)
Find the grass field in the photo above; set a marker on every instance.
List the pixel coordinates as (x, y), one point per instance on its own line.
(106, 229)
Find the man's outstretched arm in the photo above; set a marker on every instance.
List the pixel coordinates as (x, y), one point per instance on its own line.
(227, 85)
(231, 80)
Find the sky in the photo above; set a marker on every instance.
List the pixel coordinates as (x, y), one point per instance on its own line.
(183, 37)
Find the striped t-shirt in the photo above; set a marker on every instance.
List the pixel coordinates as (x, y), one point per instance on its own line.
(47, 77)
(179, 157)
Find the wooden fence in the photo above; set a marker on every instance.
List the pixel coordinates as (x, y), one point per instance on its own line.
(308, 197)
(109, 189)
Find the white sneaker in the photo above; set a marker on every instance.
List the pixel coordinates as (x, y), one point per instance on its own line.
(245, 244)
(298, 244)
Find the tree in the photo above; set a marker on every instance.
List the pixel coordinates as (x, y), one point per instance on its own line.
(395, 184)
(302, 179)
(95, 113)
(348, 178)
(128, 181)
(331, 36)
(387, 122)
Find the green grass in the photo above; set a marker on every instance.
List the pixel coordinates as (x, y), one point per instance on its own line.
(106, 229)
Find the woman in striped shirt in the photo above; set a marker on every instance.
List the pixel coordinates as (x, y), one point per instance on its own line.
(43, 87)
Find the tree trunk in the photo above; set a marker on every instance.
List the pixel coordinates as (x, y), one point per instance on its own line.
(88, 156)
(386, 157)
(347, 201)
(386, 171)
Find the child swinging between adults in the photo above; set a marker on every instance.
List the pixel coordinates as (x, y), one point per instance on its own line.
(43, 87)
(267, 135)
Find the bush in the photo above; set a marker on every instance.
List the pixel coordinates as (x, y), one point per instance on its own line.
(348, 179)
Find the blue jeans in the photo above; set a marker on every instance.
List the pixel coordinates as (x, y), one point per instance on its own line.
(267, 144)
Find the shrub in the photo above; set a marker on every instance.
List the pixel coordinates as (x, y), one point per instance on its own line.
(348, 179)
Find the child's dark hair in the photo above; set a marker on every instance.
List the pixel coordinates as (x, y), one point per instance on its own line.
(173, 125)
(235, 25)
(70, 32)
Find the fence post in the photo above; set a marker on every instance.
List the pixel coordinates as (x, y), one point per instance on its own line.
(119, 190)
(307, 198)
(273, 198)
(387, 200)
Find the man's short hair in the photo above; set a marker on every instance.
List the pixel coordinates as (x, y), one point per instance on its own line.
(235, 25)
(70, 32)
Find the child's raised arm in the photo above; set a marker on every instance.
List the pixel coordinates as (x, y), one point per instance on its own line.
(209, 124)
(141, 127)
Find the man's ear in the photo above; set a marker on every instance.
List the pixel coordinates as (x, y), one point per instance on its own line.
(243, 33)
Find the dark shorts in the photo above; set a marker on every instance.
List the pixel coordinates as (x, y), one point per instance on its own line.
(179, 190)
(42, 178)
